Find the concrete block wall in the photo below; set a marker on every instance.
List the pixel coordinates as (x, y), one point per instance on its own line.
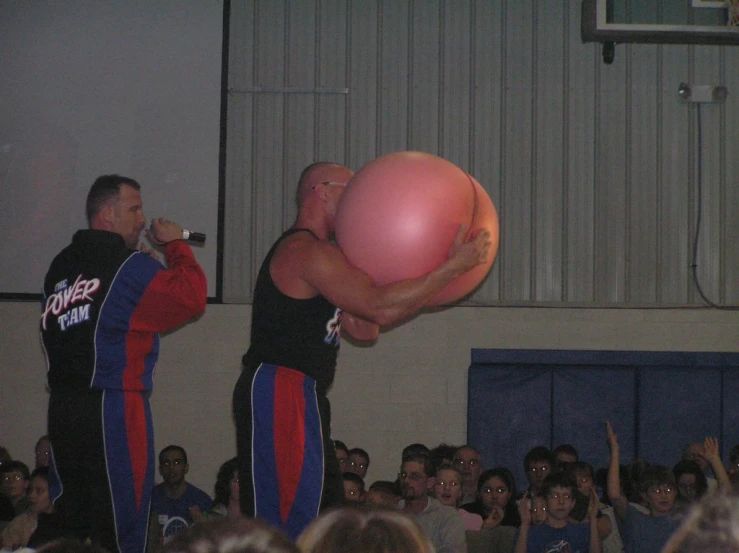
(409, 387)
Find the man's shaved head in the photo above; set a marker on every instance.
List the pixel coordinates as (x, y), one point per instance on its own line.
(316, 173)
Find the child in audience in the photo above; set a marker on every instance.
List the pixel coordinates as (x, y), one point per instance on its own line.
(448, 491)
(15, 481)
(18, 531)
(642, 533)
(353, 487)
(558, 533)
(227, 490)
(538, 510)
(584, 477)
(496, 499)
(733, 471)
(383, 494)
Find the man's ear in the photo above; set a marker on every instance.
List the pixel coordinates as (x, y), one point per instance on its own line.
(106, 216)
(431, 482)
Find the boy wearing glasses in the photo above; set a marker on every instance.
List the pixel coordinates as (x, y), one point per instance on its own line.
(558, 533)
(642, 533)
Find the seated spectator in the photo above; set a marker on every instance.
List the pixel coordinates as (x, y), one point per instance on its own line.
(694, 452)
(442, 454)
(448, 491)
(176, 502)
(226, 491)
(558, 533)
(691, 484)
(42, 451)
(583, 475)
(441, 524)
(646, 533)
(15, 481)
(538, 464)
(363, 531)
(538, 510)
(359, 462)
(565, 453)
(230, 535)
(18, 532)
(496, 499)
(707, 456)
(690, 477)
(733, 471)
(382, 493)
(353, 487)
(414, 449)
(342, 454)
(469, 463)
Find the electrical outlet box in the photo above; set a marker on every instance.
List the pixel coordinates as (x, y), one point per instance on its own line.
(702, 93)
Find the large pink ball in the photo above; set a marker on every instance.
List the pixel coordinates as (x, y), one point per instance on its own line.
(399, 216)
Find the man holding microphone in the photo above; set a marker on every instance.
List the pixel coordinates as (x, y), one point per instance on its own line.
(104, 305)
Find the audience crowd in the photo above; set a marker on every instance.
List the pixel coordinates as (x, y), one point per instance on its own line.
(444, 499)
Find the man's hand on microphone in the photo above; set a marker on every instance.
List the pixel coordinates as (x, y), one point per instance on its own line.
(161, 231)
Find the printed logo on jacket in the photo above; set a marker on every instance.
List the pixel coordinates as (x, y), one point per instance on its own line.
(65, 302)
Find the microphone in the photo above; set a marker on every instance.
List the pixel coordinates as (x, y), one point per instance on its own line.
(192, 236)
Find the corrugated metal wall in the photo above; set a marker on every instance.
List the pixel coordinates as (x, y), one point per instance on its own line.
(593, 167)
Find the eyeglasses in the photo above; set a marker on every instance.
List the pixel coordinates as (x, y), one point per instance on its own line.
(12, 477)
(470, 463)
(414, 476)
(173, 462)
(499, 490)
(663, 489)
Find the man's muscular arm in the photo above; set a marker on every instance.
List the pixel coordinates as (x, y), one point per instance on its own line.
(323, 266)
(359, 329)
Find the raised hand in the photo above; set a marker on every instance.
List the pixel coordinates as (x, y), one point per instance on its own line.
(524, 511)
(593, 503)
(611, 438)
(710, 448)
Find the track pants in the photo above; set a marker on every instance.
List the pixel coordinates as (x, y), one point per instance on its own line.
(287, 463)
(102, 467)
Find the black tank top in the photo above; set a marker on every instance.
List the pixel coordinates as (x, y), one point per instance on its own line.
(303, 334)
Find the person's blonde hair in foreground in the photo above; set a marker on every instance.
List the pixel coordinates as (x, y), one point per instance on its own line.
(231, 535)
(711, 526)
(363, 530)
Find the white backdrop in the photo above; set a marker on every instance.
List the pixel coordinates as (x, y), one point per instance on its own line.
(91, 88)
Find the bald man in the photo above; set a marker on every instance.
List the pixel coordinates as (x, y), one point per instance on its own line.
(307, 296)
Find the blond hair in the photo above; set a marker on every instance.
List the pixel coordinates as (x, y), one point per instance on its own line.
(364, 530)
(712, 525)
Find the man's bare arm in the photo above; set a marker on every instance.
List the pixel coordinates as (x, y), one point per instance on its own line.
(323, 266)
(619, 502)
